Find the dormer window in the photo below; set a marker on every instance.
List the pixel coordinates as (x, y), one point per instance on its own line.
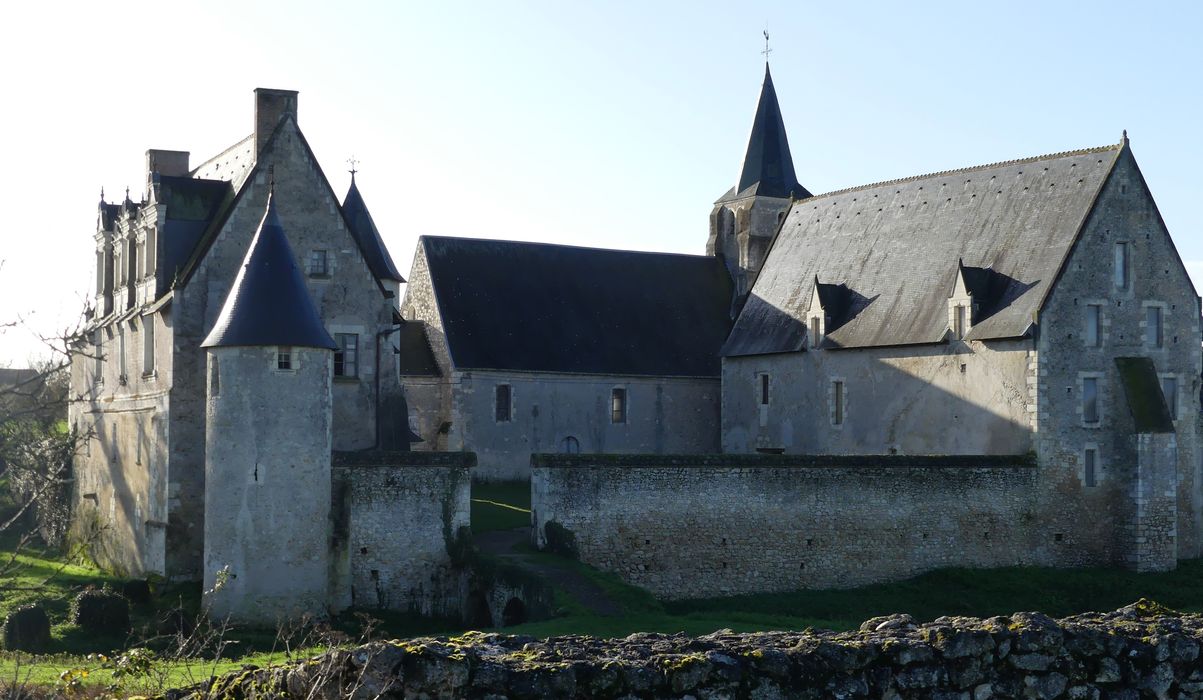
(971, 283)
(816, 331)
(959, 321)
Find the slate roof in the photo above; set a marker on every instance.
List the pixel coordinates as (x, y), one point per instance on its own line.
(192, 204)
(1142, 389)
(897, 245)
(417, 359)
(768, 168)
(359, 219)
(551, 308)
(232, 165)
(269, 303)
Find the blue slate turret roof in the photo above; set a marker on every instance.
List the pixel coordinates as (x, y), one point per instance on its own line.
(768, 168)
(269, 303)
(367, 236)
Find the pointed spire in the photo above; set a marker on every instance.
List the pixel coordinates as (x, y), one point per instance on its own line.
(269, 303)
(364, 230)
(768, 168)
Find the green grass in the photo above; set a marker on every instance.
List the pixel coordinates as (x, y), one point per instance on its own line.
(502, 505)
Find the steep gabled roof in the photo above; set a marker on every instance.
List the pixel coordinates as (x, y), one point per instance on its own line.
(269, 303)
(551, 308)
(768, 167)
(359, 219)
(898, 243)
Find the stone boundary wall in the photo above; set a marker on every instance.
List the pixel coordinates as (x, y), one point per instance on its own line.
(400, 524)
(1136, 652)
(696, 526)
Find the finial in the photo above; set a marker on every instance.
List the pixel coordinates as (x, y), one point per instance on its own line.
(127, 193)
(102, 194)
(352, 161)
(767, 50)
(1125, 139)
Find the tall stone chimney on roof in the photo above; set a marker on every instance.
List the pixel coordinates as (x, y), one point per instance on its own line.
(270, 107)
(170, 163)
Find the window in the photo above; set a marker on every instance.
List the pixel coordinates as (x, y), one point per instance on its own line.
(815, 326)
(764, 390)
(98, 358)
(570, 445)
(502, 403)
(1090, 460)
(958, 321)
(618, 406)
(284, 357)
(1121, 265)
(1154, 337)
(837, 403)
(346, 357)
(121, 373)
(1169, 389)
(214, 378)
(100, 272)
(148, 345)
(318, 264)
(1090, 400)
(1094, 325)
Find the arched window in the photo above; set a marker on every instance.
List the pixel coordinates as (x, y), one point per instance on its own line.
(570, 445)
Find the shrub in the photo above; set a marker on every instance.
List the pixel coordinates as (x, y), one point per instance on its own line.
(136, 591)
(27, 629)
(101, 611)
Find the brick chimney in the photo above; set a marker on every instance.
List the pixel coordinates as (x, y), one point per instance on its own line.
(270, 107)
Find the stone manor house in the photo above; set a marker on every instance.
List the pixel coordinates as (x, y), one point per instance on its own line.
(1028, 324)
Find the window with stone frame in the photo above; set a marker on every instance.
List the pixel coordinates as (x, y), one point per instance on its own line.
(318, 264)
(1091, 415)
(1154, 330)
(837, 402)
(1090, 466)
(958, 321)
(284, 357)
(148, 345)
(1122, 266)
(764, 389)
(503, 406)
(618, 405)
(346, 357)
(1094, 325)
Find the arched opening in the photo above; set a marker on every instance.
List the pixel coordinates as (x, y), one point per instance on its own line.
(570, 445)
(514, 613)
(477, 615)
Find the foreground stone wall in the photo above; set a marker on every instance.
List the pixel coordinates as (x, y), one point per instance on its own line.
(1141, 651)
(400, 529)
(693, 526)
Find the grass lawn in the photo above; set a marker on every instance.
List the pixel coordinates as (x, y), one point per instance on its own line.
(502, 505)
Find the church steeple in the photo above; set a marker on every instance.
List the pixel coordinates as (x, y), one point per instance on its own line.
(768, 168)
(745, 219)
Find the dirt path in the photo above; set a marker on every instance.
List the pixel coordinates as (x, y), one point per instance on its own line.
(500, 544)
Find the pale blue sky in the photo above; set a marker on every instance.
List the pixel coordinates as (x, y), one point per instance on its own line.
(613, 125)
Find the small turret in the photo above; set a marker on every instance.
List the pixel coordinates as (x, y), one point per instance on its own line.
(364, 230)
(267, 442)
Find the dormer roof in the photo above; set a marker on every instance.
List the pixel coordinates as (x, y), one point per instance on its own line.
(269, 303)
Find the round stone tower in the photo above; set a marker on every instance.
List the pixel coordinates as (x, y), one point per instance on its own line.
(267, 441)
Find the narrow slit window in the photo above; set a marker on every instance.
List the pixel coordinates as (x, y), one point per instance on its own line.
(764, 390)
(502, 403)
(618, 406)
(837, 403)
(1090, 400)
(1090, 467)
(1121, 266)
(1154, 336)
(1094, 325)
(148, 345)
(815, 327)
(215, 378)
(958, 322)
(1169, 389)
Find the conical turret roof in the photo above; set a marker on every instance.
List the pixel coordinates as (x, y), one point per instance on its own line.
(367, 236)
(768, 168)
(269, 303)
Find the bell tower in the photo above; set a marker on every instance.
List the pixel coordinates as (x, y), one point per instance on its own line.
(745, 219)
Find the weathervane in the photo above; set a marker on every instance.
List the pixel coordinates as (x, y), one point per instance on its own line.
(352, 161)
(767, 50)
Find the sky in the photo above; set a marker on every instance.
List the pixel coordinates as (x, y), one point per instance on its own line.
(611, 124)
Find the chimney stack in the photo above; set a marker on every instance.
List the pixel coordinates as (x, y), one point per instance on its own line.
(270, 107)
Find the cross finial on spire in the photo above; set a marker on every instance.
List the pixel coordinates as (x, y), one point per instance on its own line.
(353, 161)
(767, 50)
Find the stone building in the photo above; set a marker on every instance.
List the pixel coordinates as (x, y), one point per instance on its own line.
(164, 267)
(512, 348)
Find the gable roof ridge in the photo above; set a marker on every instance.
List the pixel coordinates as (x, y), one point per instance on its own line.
(972, 168)
(217, 156)
(424, 238)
